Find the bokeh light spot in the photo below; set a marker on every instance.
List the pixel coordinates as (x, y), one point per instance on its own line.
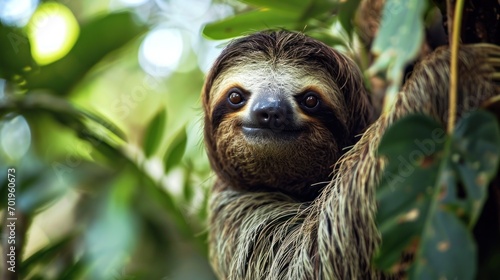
(15, 137)
(161, 51)
(133, 3)
(52, 30)
(17, 12)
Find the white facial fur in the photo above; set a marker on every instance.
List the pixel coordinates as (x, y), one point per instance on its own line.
(263, 77)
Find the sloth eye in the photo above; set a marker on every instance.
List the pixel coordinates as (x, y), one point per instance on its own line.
(235, 97)
(310, 101)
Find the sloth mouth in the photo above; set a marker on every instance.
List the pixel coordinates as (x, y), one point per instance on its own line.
(271, 133)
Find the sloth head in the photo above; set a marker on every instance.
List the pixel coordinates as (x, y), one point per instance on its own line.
(279, 109)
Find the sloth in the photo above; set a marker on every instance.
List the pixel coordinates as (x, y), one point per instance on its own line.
(276, 120)
(291, 136)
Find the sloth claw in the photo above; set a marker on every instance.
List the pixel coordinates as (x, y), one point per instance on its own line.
(492, 53)
(494, 61)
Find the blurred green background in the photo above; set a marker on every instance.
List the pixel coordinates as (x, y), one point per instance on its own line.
(100, 117)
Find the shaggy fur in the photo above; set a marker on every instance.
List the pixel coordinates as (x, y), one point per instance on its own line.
(271, 233)
(286, 64)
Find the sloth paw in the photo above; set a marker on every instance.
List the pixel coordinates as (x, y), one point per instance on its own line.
(492, 53)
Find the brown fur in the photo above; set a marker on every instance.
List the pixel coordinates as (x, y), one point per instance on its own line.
(267, 233)
(307, 160)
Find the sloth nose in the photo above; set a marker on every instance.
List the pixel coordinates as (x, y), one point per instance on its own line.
(270, 113)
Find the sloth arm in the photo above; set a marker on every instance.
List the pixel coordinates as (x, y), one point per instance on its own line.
(270, 236)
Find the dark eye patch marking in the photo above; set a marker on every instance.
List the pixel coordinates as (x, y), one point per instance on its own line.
(225, 106)
(319, 110)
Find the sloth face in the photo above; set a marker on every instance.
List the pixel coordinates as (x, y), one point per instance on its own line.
(276, 115)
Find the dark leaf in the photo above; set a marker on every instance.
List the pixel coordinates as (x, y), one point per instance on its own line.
(475, 157)
(327, 37)
(154, 133)
(347, 13)
(175, 150)
(316, 8)
(105, 123)
(412, 147)
(447, 249)
(291, 15)
(419, 209)
(101, 133)
(15, 54)
(293, 6)
(74, 271)
(249, 22)
(167, 202)
(46, 254)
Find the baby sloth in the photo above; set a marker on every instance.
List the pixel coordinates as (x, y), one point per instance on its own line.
(279, 112)
(284, 112)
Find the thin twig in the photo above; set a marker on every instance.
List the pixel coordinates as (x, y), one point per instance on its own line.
(457, 21)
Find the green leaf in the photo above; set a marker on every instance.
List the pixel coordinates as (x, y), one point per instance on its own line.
(175, 151)
(412, 147)
(97, 39)
(409, 141)
(103, 122)
(100, 132)
(74, 271)
(448, 250)
(418, 203)
(15, 54)
(291, 15)
(46, 254)
(320, 7)
(249, 22)
(293, 6)
(168, 204)
(347, 13)
(188, 188)
(154, 133)
(398, 40)
(327, 37)
(475, 155)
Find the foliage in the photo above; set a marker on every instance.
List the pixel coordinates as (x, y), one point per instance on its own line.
(118, 29)
(127, 222)
(123, 222)
(421, 208)
(398, 42)
(400, 34)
